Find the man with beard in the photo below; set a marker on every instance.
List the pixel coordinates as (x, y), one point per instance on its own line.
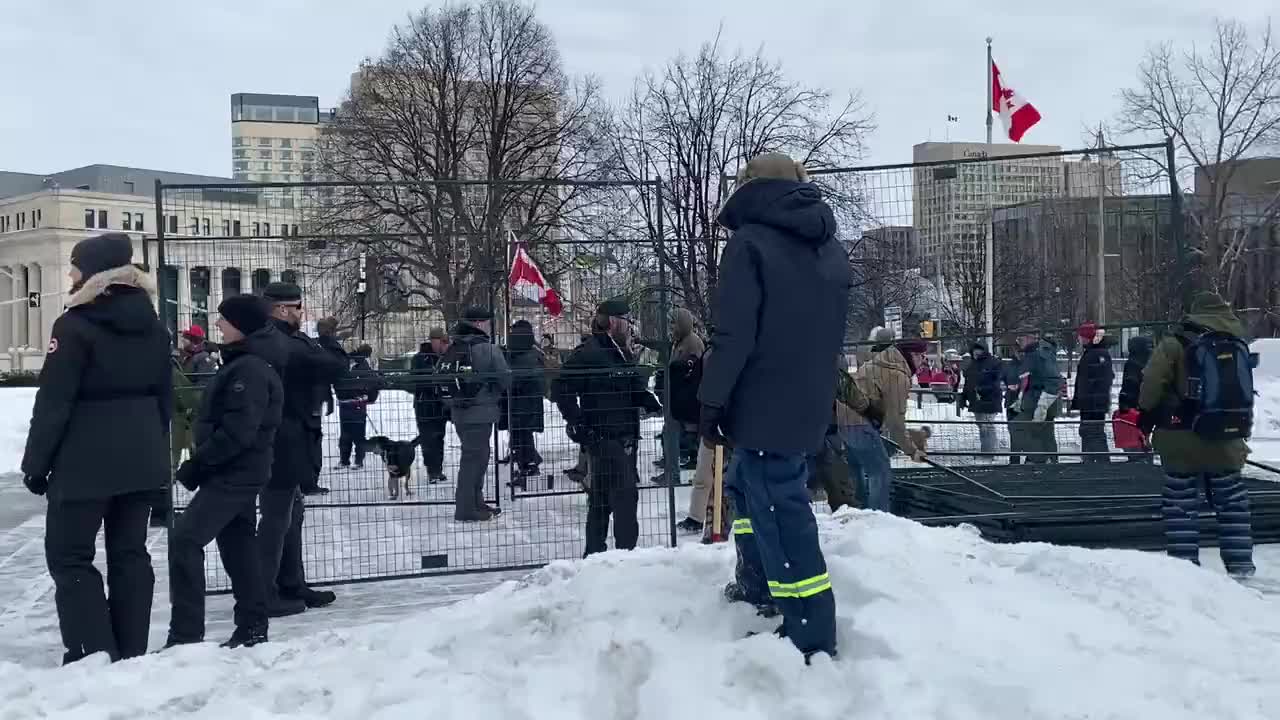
(309, 371)
(600, 394)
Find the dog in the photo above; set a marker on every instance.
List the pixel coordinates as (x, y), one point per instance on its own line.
(398, 455)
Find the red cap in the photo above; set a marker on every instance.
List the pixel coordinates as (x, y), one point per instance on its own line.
(1088, 331)
(195, 332)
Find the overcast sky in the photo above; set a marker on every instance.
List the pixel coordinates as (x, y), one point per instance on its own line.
(147, 82)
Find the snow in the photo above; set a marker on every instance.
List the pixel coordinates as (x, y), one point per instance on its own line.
(932, 623)
(15, 420)
(1266, 420)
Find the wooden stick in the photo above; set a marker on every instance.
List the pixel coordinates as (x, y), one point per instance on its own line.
(717, 497)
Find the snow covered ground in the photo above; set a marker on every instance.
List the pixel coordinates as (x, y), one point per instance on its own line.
(933, 623)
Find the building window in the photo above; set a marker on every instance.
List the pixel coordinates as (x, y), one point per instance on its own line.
(39, 217)
(240, 153)
(199, 278)
(266, 229)
(173, 224)
(207, 229)
(230, 282)
(308, 156)
(102, 219)
(264, 154)
(126, 221)
(260, 280)
(226, 228)
(239, 141)
(235, 228)
(286, 154)
(169, 291)
(22, 220)
(295, 231)
(128, 186)
(289, 276)
(265, 166)
(241, 166)
(264, 142)
(257, 229)
(286, 143)
(138, 224)
(89, 217)
(195, 226)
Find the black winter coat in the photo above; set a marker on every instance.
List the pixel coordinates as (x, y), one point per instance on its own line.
(984, 385)
(357, 391)
(780, 309)
(235, 429)
(427, 404)
(1140, 349)
(100, 425)
(308, 373)
(528, 383)
(601, 388)
(1094, 376)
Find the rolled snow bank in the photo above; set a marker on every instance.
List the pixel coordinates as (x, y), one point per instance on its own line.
(933, 623)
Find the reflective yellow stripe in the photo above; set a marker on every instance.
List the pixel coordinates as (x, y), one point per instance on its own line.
(802, 589)
(742, 527)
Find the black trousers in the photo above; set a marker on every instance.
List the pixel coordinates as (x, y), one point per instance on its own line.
(524, 452)
(431, 433)
(352, 434)
(1093, 435)
(613, 492)
(227, 517)
(90, 620)
(280, 542)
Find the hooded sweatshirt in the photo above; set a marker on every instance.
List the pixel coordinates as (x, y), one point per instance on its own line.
(1164, 381)
(780, 310)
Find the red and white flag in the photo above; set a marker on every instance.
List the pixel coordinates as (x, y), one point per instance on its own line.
(1015, 112)
(527, 282)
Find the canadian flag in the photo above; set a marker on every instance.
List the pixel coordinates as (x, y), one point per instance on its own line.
(1015, 112)
(527, 282)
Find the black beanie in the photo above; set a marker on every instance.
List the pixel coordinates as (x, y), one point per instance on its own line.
(247, 313)
(101, 253)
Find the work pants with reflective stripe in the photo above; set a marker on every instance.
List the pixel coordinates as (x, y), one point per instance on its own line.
(777, 539)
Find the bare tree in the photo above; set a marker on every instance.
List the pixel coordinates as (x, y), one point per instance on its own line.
(464, 133)
(1221, 105)
(697, 121)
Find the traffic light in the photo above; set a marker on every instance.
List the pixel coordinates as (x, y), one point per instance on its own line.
(926, 328)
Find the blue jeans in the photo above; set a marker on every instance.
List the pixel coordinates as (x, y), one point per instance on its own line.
(869, 465)
(777, 541)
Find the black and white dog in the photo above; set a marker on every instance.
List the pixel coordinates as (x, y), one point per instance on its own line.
(398, 455)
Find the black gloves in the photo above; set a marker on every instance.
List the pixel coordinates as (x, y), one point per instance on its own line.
(37, 485)
(709, 426)
(190, 475)
(1146, 422)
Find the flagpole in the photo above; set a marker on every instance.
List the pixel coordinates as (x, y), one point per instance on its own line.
(990, 264)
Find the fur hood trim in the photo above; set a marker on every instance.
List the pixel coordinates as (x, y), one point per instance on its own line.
(97, 284)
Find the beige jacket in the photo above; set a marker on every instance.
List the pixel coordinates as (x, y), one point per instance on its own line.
(884, 385)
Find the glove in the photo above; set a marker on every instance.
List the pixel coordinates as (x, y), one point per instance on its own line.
(190, 475)
(709, 419)
(37, 485)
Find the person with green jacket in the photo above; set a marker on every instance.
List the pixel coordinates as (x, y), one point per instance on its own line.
(1191, 462)
(1040, 398)
(186, 399)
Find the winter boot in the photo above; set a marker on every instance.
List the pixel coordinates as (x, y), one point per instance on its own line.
(689, 526)
(174, 641)
(315, 598)
(247, 636)
(733, 592)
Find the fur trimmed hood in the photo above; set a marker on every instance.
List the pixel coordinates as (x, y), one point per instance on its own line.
(100, 283)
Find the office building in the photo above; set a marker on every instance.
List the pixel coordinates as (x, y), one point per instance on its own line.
(273, 137)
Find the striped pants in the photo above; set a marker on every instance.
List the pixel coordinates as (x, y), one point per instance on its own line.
(1229, 499)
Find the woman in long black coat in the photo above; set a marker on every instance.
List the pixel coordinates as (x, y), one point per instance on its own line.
(99, 447)
(528, 387)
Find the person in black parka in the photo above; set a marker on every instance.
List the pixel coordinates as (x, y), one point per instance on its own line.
(428, 407)
(1094, 376)
(308, 373)
(235, 433)
(355, 395)
(528, 386)
(983, 394)
(99, 447)
(1140, 348)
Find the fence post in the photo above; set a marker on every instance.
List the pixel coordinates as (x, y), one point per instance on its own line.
(670, 440)
(161, 301)
(1176, 228)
